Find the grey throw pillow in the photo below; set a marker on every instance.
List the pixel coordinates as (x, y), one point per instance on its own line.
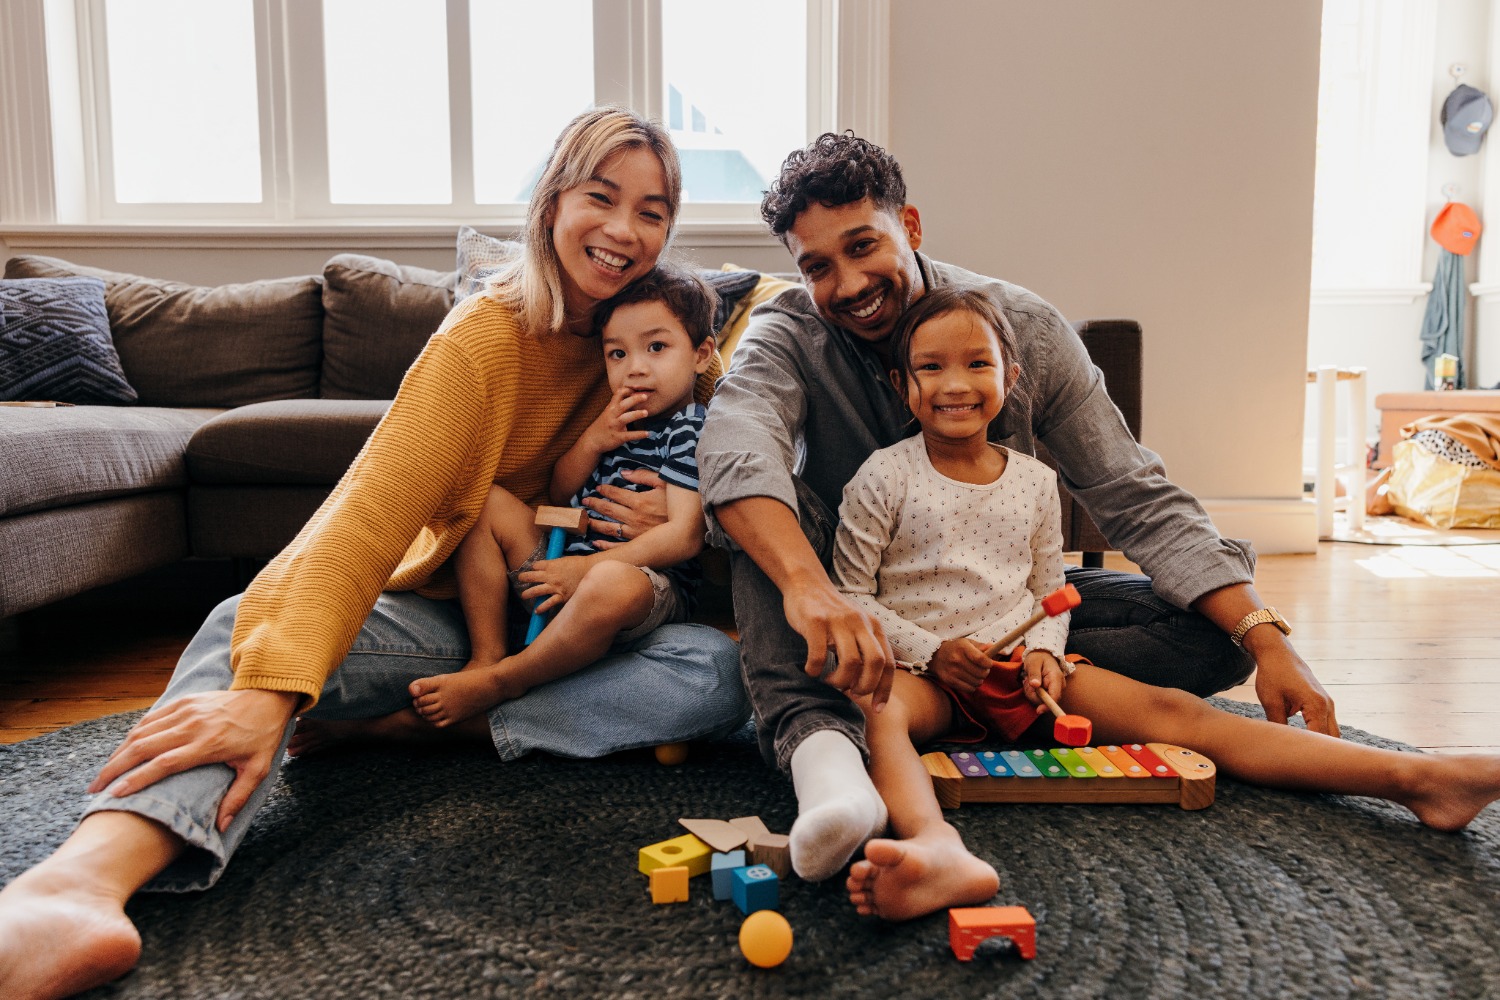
(55, 343)
(479, 257)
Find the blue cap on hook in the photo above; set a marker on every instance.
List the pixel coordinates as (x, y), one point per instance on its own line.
(1466, 116)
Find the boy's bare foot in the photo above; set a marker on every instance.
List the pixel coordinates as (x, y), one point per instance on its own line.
(903, 879)
(59, 937)
(1451, 790)
(317, 735)
(445, 699)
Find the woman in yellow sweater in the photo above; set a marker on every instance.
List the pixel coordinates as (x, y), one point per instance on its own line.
(343, 620)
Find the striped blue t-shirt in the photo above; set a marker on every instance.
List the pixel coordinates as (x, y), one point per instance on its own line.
(672, 452)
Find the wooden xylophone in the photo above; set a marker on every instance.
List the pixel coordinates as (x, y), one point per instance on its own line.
(1136, 773)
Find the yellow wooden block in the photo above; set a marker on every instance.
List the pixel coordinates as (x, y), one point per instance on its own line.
(687, 851)
(669, 884)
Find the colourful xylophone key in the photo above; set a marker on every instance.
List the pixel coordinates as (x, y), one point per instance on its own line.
(1161, 773)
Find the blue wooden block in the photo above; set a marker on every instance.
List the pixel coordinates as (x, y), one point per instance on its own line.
(721, 869)
(755, 888)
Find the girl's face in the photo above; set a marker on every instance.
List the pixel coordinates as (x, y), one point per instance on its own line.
(609, 230)
(957, 377)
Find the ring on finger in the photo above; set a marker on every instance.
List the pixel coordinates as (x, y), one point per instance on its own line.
(620, 530)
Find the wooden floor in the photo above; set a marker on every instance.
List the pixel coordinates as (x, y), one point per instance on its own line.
(1406, 638)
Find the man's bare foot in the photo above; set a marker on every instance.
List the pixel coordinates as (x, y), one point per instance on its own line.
(59, 937)
(1449, 791)
(445, 699)
(903, 879)
(317, 735)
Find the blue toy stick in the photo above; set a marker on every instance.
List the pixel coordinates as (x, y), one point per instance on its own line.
(558, 521)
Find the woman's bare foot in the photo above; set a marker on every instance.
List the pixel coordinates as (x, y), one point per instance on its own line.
(317, 735)
(445, 699)
(1449, 791)
(60, 936)
(904, 879)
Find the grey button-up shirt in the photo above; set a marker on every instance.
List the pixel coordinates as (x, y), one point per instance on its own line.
(804, 398)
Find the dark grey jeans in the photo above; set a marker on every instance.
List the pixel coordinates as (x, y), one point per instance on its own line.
(1121, 624)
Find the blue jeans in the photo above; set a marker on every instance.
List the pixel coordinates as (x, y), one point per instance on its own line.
(1121, 625)
(681, 682)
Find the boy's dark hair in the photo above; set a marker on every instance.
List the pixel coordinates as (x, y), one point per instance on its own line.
(688, 297)
(940, 302)
(836, 169)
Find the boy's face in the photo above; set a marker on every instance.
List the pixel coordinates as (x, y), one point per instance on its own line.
(859, 263)
(648, 351)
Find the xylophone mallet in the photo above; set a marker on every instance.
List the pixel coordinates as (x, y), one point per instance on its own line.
(558, 521)
(1069, 730)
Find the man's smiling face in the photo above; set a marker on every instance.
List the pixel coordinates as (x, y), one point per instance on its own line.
(859, 263)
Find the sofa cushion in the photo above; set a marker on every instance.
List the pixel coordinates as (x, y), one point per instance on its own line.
(73, 454)
(286, 442)
(55, 343)
(227, 345)
(479, 257)
(378, 316)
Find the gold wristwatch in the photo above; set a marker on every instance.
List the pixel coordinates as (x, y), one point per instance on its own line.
(1255, 618)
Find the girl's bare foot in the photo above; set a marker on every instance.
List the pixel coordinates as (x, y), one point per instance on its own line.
(1449, 791)
(904, 879)
(60, 936)
(445, 699)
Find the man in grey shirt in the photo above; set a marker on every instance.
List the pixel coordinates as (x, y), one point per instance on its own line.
(808, 399)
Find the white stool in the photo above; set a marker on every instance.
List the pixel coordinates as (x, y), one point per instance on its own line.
(1327, 379)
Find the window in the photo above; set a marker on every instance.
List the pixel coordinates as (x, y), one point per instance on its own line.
(378, 110)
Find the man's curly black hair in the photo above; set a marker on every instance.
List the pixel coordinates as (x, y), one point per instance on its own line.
(836, 169)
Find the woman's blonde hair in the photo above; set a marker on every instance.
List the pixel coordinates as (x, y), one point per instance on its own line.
(532, 284)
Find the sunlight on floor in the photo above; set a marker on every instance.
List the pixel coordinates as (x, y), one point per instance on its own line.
(1414, 562)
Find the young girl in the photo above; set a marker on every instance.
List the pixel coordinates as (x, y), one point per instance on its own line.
(951, 541)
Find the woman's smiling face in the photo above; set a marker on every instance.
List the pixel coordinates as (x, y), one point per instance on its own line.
(609, 230)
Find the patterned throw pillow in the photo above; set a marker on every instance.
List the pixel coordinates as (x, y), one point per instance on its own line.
(480, 256)
(55, 343)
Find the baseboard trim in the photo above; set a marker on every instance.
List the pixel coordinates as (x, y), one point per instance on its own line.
(1274, 527)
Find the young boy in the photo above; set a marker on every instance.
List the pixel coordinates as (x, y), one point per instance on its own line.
(657, 338)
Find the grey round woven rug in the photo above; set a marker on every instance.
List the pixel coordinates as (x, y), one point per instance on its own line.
(379, 874)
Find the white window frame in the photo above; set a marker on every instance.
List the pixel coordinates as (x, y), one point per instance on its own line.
(52, 153)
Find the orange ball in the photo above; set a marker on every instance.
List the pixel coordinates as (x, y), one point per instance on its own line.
(671, 754)
(766, 938)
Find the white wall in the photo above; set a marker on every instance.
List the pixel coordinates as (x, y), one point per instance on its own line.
(1151, 161)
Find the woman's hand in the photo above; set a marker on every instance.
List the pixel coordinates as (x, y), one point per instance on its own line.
(960, 664)
(556, 580)
(628, 513)
(1041, 670)
(240, 729)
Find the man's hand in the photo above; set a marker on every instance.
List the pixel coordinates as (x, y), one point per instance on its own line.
(960, 664)
(554, 579)
(1285, 686)
(831, 622)
(635, 511)
(240, 729)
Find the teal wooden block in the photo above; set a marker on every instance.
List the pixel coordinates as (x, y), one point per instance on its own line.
(755, 888)
(722, 868)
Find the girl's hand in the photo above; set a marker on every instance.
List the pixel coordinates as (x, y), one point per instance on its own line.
(1042, 670)
(960, 664)
(240, 729)
(611, 428)
(554, 579)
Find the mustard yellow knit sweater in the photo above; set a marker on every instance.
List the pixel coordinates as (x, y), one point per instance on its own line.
(484, 402)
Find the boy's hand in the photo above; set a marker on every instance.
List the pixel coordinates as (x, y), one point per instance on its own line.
(554, 579)
(1042, 670)
(611, 428)
(960, 664)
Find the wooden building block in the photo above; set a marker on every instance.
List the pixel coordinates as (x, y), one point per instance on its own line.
(669, 884)
(752, 825)
(970, 926)
(721, 870)
(686, 850)
(573, 520)
(754, 888)
(716, 833)
(773, 850)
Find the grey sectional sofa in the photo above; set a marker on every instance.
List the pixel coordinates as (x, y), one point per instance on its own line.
(253, 400)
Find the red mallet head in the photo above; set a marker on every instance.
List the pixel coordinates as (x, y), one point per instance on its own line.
(1073, 731)
(1064, 598)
